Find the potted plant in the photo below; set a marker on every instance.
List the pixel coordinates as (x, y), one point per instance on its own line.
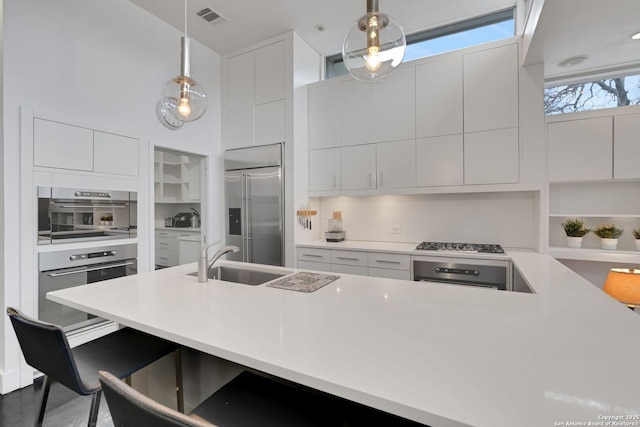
(636, 234)
(575, 230)
(609, 235)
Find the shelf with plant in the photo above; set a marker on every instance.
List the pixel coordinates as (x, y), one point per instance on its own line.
(575, 230)
(609, 235)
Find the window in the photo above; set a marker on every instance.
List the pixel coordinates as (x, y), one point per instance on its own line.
(495, 26)
(592, 95)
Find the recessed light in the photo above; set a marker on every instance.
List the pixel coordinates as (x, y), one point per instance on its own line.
(319, 28)
(635, 36)
(573, 61)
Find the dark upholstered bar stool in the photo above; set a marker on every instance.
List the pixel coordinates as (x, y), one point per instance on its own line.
(249, 400)
(45, 347)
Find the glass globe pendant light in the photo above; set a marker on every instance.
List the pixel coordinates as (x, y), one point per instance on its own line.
(374, 45)
(182, 95)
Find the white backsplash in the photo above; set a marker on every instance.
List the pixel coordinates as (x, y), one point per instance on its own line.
(510, 219)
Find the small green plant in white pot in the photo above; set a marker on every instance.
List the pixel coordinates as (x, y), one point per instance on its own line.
(636, 234)
(575, 230)
(609, 235)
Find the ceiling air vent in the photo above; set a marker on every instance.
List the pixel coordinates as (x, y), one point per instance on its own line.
(210, 15)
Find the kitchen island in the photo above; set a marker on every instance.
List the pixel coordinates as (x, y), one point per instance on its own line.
(442, 355)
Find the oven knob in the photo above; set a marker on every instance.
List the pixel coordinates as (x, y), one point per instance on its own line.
(77, 257)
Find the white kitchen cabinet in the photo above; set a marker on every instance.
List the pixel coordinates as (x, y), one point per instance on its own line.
(440, 161)
(240, 81)
(358, 169)
(491, 89)
(240, 128)
(349, 262)
(394, 106)
(396, 164)
(167, 246)
(381, 112)
(269, 73)
(314, 255)
(115, 154)
(359, 262)
(357, 107)
(491, 157)
(439, 97)
(390, 266)
(324, 169)
(626, 147)
(62, 146)
(324, 115)
(269, 123)
(580, 149)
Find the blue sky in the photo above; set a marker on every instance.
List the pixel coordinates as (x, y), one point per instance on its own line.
(459, 40)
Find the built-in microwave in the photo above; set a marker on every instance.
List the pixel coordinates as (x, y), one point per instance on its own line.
(68, 214)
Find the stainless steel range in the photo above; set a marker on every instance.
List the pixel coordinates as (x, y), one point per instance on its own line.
(461, 247)
(472, 269)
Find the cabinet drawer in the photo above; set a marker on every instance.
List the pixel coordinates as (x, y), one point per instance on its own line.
(389, 274)
(349, 258)
(314, 255)
(349, 269)
(310, 265)
(391, 261)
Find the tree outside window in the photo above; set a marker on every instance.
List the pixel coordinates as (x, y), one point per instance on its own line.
(592, 95)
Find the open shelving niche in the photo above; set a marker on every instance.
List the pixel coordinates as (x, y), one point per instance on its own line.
(596, 203)
(177, 178)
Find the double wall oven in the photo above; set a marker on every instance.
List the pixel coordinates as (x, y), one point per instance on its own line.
(77, 215)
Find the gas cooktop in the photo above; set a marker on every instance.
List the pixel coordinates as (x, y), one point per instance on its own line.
(473, 248)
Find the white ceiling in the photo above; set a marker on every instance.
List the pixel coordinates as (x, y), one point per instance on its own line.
(565, 28)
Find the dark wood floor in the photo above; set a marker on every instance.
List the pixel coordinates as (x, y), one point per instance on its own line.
(64, 409)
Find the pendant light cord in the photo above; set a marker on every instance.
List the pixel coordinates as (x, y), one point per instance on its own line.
(185, 18)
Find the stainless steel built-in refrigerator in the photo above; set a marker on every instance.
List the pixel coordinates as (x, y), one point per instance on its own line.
(254, 204)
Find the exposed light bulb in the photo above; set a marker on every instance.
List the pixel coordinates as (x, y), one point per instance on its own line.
(184, 109)
(372, 60)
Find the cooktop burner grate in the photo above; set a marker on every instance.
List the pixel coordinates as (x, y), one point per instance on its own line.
(461, 247)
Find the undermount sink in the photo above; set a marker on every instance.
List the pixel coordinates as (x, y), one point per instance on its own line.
(246, 276)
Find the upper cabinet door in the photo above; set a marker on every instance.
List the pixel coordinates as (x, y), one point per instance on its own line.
(491, 89)
(491, 157)
(580, 149)
(269, 123)
(626, 146)
(57, 145)
(439, 98)
(440, 160)
(396, 164)
(324, 170)
(324, 115)
(359, 167)
(269, 73)
(394, 106)
(240, 71)
(115, 154)
(357, 119)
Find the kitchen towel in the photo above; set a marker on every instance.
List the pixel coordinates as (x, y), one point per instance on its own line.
(303, 282)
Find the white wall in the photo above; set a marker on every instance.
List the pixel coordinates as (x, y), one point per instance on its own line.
(96, 64)
(509, 219)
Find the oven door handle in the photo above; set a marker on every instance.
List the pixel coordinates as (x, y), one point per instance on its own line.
(86, 270)
(94, 206)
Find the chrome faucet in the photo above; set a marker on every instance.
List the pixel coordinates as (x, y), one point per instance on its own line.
(204, 265)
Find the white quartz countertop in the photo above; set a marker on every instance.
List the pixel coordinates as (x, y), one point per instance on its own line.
(443, 355)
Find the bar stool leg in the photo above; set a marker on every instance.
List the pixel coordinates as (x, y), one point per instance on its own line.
(46, 386)
(179, 387)
(93, 412)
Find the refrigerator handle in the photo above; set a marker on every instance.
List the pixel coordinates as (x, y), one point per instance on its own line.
(247, 217)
